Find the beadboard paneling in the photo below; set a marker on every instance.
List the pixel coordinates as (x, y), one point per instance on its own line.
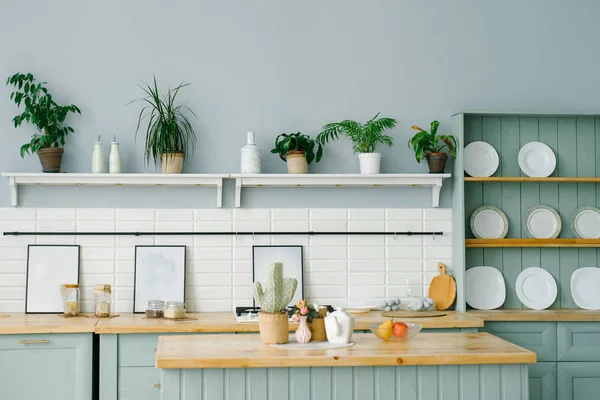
(576, 142)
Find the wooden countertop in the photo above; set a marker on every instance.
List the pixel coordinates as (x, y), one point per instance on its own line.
(226, 322)
(20, 323)
(247, 351)
(550, 315)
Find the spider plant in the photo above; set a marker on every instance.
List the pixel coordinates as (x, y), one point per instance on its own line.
(365, 137)
(169, 129)
(425, 143)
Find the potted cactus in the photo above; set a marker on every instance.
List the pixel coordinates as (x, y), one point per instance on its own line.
(273, 295)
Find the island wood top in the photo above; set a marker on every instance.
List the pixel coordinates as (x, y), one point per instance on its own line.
(226, 322)
(20, 323)
(247, 351)
(550, 315)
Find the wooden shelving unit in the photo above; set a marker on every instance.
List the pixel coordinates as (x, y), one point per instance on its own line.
(481, 243)
(555, 179)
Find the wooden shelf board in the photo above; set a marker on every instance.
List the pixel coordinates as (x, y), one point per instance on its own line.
(555, 179)
(532, 243)
(553, 315)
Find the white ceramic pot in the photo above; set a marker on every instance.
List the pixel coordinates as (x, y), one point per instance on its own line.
(370, 163)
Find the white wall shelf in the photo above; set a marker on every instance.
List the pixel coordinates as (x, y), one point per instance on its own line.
(434, 181)
(72, 179)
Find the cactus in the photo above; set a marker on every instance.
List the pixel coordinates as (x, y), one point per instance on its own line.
(276, 292)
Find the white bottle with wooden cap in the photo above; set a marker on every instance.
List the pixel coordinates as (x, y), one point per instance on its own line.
(250, 163)
(114, 160)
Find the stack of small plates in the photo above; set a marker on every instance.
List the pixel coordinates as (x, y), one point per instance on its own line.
(536, 288)
(537, 160)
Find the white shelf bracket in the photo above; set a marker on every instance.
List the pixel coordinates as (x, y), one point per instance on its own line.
(238, 192)
(435, 193)
(219, 192)
(13, 191)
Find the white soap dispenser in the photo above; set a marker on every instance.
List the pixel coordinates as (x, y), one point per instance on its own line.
(114, 160)
(98, 158)
(250, 163)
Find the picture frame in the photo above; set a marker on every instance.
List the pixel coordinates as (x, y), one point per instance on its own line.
(292, 258)
(159, 273)
(48, 267)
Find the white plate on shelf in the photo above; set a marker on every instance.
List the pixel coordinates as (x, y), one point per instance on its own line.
(584, 288)
(489, 222)
(485, 288)
(542, 222)
(585, 223)
(480, 159)
(537, 160)
(536, 288)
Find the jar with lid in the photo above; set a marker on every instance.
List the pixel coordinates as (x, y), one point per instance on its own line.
(70, 295)
(102, 295)
(155, 309)
(175, 310)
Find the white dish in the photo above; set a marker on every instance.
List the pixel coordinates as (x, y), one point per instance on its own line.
(489, 222)
(485, 288)
(542, 222)
(585, 223)
(358, 309)
(536, 288)
(537, 160)
(584, 288)
(481, 159)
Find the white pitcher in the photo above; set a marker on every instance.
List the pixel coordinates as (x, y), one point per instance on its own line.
(339, 326)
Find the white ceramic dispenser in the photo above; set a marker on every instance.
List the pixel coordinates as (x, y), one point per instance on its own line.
(114, 160)
(98, 158)
(250, 162)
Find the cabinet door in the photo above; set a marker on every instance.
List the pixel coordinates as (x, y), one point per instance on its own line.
(139, 383)
(539, 337)
(53, 366)
(578, 341)
(579, 380)
(542, 381)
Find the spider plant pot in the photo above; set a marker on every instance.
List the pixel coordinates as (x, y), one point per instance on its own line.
(273, 327)
(172, 162)
(296, 162)
(370, 163)
(51, 158)
(436, 162)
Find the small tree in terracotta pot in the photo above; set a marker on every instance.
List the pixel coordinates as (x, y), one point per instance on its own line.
(273, 296)
(429, 145)
(48, 117)
(298, 151)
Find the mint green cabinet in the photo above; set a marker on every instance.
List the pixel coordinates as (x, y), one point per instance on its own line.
(542, 381)
(539, 337)
(579, 341)
(50, 366)
(579, 380)
(139, 383)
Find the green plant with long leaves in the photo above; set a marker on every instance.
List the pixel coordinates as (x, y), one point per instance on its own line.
(285, 143)
(169, 129)
(40, 110)
(365, 137)
(424, 143)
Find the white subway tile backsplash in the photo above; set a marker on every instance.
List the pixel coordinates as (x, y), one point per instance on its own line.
(338, 269)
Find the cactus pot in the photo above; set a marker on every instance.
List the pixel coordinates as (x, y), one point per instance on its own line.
(273, 327)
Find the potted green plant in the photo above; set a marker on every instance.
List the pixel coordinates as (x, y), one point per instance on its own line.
(48, 117)
(429, 145)
(273, 296)
(298, 151)
(365, 139)
(170, 136)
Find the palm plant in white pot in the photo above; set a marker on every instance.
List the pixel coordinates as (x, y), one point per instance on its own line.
(365, 139)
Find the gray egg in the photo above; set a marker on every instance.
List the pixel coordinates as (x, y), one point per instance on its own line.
(391, 302)
(395, 308)
(388, 308)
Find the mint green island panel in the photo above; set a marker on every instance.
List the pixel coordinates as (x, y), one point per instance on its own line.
(46, 366)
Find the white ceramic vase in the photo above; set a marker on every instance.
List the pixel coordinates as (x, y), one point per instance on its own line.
(250, 162)
(370, 163)
(98, 158)
(303, 334)
(114, 160)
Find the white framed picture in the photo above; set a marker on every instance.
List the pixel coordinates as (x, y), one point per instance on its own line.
(48, 267)
(289, 256)
(159, 274)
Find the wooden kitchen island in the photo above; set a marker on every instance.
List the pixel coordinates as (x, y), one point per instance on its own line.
(434, 366)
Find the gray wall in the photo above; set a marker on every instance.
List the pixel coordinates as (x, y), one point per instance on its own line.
(280, 66)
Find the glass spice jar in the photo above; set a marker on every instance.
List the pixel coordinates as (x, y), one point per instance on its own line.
(70, 295)
(102, 295)
(175, 310)
(155, 309)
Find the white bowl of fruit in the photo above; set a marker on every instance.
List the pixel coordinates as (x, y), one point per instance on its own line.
(399, 331)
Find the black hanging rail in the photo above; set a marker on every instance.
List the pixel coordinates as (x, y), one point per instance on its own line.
(309, 233)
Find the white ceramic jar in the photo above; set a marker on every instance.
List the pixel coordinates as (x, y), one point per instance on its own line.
(98, 158)
(250, 162)
(114, 160)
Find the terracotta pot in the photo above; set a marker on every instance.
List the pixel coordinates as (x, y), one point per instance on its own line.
(436, 162)
(296, 162)
(273, 327)
(51, 158)
(370, 163)
(317, 329)
(172, 163)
